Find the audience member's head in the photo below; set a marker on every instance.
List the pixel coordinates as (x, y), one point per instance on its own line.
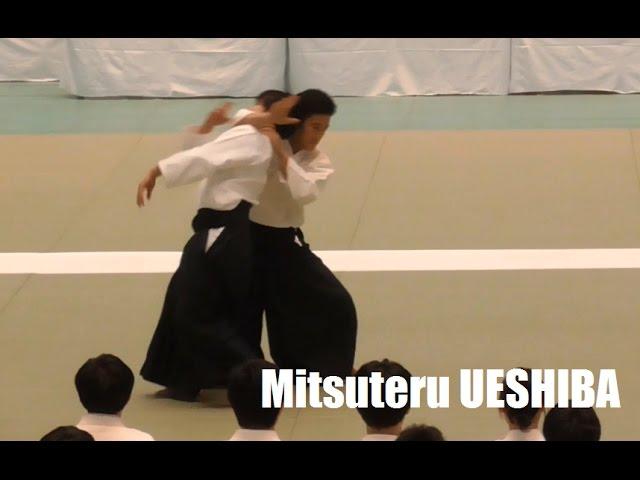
(525, 418)
(104, 384)
(386, 419)
(420, 433)
(245, 396)
(67, 434)
(571, 424)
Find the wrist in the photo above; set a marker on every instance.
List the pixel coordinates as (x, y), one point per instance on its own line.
(205, 128)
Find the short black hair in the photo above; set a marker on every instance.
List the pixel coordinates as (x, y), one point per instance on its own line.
(104, 384)
(245, 396)
(269, 97)
(571, 424)
(386, 416)
(67, 434)
(421, 433)
(312, 102)
(522, 417)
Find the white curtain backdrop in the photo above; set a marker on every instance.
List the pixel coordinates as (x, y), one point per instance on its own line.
(30, 59)
(173, 67)
(400, 66)
(243, 67)
(553, 64)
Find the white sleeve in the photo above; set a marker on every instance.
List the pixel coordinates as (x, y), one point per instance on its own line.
(237, 147)
(240, 114)
(306, 182)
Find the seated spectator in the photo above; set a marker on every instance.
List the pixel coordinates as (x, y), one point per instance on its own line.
(104, 385)
(256, 423)
(571, 424)
(523, 422)
(67, 434)
(383, 424)
(420, 433)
